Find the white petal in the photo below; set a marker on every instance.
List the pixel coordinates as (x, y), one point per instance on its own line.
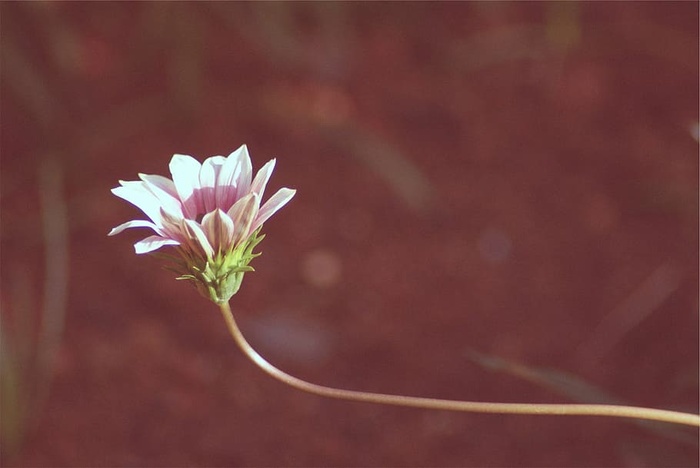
(208, 177)
(263, 175)
(161, 182)
(185, 170)
(149, 244)
(228, 181)
(277, 201)
(164, 191)
(239, 154)
(137, 194)
(246, 174)
(134, 224)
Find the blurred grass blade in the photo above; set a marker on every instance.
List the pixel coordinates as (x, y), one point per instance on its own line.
(573, 387)
(632, 311)
(12, 416)
(185, 59)
(560, 382)
(55, 229)
(27, 83)
(404, 177)
(563, 25)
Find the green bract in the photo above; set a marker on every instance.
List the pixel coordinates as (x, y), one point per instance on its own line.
(218, 278)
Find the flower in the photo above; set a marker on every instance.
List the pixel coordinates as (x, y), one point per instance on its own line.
(210, 213)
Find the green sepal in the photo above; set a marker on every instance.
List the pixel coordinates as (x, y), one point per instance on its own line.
(218, 278)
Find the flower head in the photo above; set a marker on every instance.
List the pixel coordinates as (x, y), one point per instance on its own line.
(210, 213)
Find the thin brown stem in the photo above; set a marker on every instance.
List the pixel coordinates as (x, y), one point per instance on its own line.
(452, 405)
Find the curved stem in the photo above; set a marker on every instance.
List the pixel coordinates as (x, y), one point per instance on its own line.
(452, 405)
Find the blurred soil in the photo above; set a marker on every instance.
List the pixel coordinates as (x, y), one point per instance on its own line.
(516, 179)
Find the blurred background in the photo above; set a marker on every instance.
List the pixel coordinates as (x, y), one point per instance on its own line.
(496, 201)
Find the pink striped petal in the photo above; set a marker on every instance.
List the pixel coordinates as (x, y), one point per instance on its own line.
(195, 232)
(277, 201)
(173, 227)
(243, 213)
(262, 177)
(218, 227)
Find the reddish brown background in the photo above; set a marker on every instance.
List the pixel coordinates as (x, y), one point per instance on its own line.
(498, 177)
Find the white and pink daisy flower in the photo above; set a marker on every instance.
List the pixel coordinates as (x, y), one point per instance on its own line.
(210, 213)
